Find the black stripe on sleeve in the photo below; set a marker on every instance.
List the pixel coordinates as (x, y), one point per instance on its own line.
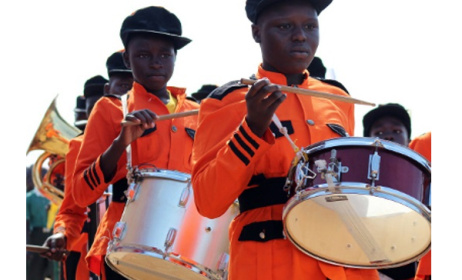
(94, 173)
(249, 139)
(238, 153)
(85, 176)
(244, 145)
(91, 176)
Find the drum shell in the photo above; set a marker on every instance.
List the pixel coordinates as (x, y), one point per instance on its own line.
(162, 211)
(401, 168)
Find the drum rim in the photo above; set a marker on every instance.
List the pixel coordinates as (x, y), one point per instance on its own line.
(380, 192)
(163, 173)
(369, 141)
(195, 267)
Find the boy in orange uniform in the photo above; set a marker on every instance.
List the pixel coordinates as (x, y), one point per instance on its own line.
(240, 154)
(70, 238)
(151, 38)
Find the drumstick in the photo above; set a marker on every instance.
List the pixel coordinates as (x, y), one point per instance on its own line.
(166, 117)
(309, 92)
(36, 248)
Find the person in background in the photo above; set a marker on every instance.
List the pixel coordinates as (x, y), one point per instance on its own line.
(240, 154)
(151, 37)
(120, 77)
(389, 122)
(80, 114)
(72, 227)
(37, 207)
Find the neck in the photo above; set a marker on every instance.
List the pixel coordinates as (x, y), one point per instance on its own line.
(162, 94)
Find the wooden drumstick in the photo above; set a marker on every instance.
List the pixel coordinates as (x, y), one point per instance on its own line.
(166, 117)
(309, 92)
(36, 248)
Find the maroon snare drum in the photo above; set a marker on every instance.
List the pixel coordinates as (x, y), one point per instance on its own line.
(359, 202)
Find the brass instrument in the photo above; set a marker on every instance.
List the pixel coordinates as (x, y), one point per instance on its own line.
(52, 136)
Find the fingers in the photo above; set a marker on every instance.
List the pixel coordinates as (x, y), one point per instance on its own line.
(146, 118)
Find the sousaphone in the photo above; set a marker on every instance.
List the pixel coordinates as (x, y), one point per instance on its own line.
(52, 136)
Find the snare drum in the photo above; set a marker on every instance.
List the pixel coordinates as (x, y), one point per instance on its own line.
(359, 202)
(151, 240)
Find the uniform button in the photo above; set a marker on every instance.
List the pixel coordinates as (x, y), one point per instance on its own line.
(174, 129)
(310, 122)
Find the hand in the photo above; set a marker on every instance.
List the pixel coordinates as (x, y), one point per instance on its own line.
(57, 244)
(146, 120)
(263, 98)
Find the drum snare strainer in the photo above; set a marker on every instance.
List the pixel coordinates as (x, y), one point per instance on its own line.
(359, 202)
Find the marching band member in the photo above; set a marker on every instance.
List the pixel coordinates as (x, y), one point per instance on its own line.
(151, 37)
(71, 231)
(240, 154)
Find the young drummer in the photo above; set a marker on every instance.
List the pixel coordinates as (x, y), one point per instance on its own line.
(240, 154)
(151, 38)
(70, 238)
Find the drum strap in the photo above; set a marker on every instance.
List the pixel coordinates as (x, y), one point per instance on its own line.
(268, 192)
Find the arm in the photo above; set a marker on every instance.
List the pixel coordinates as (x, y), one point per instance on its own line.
(225, 153)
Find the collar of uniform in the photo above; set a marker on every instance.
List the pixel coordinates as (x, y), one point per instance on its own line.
(178, 92)
(278, 78)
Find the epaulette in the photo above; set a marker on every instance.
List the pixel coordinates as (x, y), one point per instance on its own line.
(220, 92)
(334, 83)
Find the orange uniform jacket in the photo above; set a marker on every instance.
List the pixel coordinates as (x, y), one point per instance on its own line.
(167, 146)
(71, 217)
(229, 160)
(422, 144)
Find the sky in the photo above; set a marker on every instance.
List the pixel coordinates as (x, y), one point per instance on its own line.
(400, 51)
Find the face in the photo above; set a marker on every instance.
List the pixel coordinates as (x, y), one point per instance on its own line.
(390, 128)
(288, 33)
(151, 59)
(119, 84)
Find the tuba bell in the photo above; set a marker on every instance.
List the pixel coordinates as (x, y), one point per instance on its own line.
(52, 136)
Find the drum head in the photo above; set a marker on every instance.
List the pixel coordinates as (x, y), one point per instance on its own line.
(356, 226)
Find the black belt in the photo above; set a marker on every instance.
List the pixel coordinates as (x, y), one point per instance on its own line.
(268, 192)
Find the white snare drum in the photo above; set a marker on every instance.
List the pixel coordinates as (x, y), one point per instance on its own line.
(155, 238)
(359, 202)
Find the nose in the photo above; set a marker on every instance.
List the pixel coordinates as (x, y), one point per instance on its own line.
(298, 34)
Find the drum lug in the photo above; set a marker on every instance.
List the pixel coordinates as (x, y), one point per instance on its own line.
(132, 192)
(119, 230)
(373, 172)
(184, 197)
(170, 239)
(223, 264)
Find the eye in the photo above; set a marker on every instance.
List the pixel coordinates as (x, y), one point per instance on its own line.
(284, 26)
(311, 26)
(398, 131)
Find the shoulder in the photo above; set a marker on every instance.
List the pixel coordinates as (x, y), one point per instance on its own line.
(224, 90)
(331, 82)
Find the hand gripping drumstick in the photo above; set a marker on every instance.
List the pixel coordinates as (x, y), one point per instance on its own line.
(303, 91)
(166, 117)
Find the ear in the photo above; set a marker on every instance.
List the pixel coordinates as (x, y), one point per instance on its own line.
(126, 60)
(256, 33)
(106, 88)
